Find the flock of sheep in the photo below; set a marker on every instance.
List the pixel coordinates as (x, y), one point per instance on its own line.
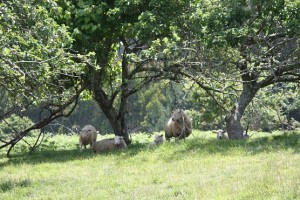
(88, 136)
(178, 126)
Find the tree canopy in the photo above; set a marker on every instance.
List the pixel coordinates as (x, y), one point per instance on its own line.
(241, 47)
(125, 37)
(37, 66)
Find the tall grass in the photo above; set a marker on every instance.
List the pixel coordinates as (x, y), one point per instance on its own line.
(266, 166)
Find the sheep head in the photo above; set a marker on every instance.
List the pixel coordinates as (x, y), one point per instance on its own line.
(221, 134)
(118, 139)
(178, 115)
(158, 139)
(84, 133)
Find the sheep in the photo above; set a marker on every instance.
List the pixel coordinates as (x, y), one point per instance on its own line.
(221, 134)
(87, 135)
(246, 136)
(158, 139)
(109, 144)
(178, 126)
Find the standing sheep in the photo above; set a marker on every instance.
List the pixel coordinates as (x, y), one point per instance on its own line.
(178, 126)
(110, 144)
(158, 139)
(87, 135)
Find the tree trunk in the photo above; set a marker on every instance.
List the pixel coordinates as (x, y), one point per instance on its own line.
(233, 119)
(119, 125)
(116, 117)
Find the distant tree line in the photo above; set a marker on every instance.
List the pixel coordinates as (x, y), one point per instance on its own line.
(150, 109)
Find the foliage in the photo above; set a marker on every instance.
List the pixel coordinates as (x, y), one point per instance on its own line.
(198, 55)
(13, 125)
(274, 108)
(241, 47)
(126, 38)
(154, 104)
(39, 72)
(151, 107)
(240, 31)
(152, 110)
(35, 63)
(86, 112)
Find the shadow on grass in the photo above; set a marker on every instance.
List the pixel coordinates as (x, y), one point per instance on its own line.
(66, 155)
(9, 185)
(252, 146)
(271, 143)
(48, 156)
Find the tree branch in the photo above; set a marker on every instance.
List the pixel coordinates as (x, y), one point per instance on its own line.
(58, 112)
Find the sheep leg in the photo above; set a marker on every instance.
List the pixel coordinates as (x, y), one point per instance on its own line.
(81, 147)
(91, 145)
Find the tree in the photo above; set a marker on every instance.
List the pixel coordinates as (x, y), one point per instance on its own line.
(125, 36)
(239, 47)
(38, 70)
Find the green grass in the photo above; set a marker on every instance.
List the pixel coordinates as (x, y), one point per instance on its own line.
(266, 166)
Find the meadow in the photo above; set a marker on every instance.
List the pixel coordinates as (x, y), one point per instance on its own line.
(265, 166)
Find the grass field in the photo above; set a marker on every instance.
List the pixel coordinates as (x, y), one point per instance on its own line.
(266, 166)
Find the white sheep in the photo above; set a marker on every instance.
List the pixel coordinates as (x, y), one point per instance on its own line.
(178, 126)
(158, 139)
(110, 144)
(87, 135)
(221, 134)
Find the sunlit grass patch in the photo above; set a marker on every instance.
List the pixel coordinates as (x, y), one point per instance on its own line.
(266, 166)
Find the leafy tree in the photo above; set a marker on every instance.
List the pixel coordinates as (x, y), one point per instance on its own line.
(37, 66)
(265, 113)
(125, 37)
(236, 48)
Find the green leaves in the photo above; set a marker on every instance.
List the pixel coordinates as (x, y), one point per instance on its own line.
(35, 64)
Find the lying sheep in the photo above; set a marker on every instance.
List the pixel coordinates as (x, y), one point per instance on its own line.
(245, 135)
(110, 144)
(221, 134)
(158, 139)
(87, 135)
(178, 126)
